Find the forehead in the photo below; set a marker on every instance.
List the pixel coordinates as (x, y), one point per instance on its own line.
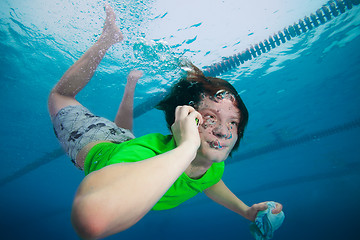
(220, 106)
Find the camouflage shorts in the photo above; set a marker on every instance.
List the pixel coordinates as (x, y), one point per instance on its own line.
(76, 126)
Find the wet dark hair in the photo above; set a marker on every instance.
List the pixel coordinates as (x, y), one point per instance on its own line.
(190, 90)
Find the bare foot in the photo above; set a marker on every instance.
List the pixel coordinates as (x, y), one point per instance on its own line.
(134, 76)
(111, 33)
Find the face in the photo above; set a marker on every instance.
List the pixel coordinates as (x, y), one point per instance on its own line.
(218, 132)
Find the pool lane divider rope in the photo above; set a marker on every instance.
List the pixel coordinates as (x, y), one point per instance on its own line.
(324, 14)
(333, 8)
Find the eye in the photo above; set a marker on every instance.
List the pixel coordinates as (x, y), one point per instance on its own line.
(209, 119)
(234, 124)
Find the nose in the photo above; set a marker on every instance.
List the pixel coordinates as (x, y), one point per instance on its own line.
(222, 131)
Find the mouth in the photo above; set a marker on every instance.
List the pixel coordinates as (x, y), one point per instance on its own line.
(216, 145)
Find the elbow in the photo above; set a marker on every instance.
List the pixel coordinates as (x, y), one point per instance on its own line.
(87, 221)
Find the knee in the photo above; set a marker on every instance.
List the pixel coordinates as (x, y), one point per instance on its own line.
(57, 101)
(52, 103)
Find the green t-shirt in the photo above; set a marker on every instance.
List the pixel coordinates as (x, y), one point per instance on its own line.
(145, 147)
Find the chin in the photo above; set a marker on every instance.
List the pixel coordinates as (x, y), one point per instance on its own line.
(216, 155)
(221, 158)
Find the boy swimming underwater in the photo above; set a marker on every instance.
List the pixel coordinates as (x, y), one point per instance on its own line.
(126, 177)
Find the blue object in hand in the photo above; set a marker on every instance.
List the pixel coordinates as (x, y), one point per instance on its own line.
(266, 223)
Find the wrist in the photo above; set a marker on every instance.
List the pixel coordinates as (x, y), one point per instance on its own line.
(243, 210)
(188, 150)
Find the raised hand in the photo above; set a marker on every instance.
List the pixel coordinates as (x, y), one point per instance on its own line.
(185, 128)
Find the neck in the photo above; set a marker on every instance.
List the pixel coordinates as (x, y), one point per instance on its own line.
(197, 168)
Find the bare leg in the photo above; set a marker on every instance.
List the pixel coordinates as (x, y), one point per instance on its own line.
(124, 116)
(79, 74)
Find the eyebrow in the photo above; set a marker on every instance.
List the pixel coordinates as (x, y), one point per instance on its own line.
(233, 117)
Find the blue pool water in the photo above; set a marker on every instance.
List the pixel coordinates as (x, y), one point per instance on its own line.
(301, 147)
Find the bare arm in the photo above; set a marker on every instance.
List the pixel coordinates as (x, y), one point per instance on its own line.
(221, 194)
(115, 197)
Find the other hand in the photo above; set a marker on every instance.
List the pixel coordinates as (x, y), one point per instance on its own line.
(254, 209)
